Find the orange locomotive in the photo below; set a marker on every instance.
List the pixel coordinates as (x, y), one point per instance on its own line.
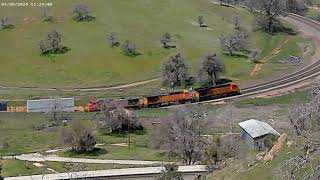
(178, 97)
(219, 91)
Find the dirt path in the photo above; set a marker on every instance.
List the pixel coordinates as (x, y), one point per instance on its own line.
(84, 89)
(275, 51)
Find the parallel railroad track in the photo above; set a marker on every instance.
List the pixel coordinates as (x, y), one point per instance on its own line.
(306, 73)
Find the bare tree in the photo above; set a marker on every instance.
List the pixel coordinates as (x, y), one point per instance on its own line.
(42, 46)
(251, 4)
(52, 43)
(255, 54)
(315, 175)
(228, 2)
(305, 121)
(54, 39)
(112, 39)
(201, 21)
(180, 134)
(228, 115)
(170, 172)
(1, 178)
(79, 136)
(269, 11)
(82, 13)
(174, 71)
(116, 118)
(46, 15)
(4, 23)
(211, 67)
(73, 168)
(236, 22)
(233, 42)
(55, 108)
(297, 7)
(165, 39)
(129, 48)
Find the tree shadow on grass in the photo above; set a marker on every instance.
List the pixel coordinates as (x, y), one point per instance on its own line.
(7, 27)
(169, 47)
(289, 31)
(227, 5)
(52, 54)
(236, 55)
(203, 26)
(280, 28)
(123, 134)
(93, 153)
(135, 54)
(115, 45)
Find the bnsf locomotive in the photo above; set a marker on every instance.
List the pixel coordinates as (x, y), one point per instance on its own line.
(224, 88)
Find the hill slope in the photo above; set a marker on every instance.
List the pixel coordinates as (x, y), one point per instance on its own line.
(91, 62)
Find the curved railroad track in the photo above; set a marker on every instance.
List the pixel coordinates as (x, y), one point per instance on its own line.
(306, 73)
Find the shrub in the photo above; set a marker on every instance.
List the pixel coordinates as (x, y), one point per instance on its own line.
(78, 136)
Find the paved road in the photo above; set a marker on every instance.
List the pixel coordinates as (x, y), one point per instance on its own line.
(111, 173)
(36, 157)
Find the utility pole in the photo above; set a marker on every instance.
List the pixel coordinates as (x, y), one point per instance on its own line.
(129, 133)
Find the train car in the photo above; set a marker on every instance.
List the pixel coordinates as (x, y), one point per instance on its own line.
(44, 105)
(219, 91)
(3, 105)
(178, 97)
(94, 105)
(133, 103)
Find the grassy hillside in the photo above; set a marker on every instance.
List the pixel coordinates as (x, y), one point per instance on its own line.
(91, 62)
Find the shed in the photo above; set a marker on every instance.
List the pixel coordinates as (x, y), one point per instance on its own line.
(254, 133)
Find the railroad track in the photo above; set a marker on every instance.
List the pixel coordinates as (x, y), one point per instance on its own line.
(308, 72)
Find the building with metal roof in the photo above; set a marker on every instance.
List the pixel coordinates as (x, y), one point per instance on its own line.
(254, 132)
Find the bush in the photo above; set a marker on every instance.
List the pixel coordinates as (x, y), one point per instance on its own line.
(118, 119)
(269, 140)
(170, 172)
(129, 48)
(78, 136)
(82, 13)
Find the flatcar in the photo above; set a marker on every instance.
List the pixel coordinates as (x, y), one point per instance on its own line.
(219, 91)
(177, 97)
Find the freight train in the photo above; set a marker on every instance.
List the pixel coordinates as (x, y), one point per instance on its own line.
(223, 88)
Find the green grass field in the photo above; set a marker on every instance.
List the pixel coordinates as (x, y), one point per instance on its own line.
(16, 130)
(91, 62)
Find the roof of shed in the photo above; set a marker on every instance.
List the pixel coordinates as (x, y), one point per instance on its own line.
(257, 128)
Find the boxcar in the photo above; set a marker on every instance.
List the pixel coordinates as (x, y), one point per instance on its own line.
(3, 105)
